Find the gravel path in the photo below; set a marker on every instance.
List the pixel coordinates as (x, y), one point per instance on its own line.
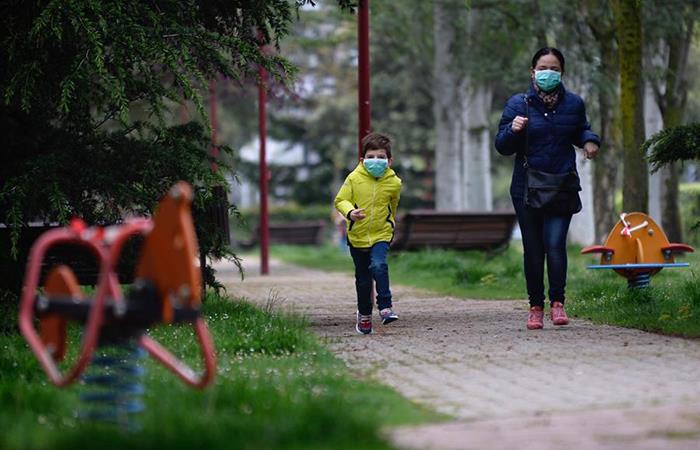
(582, 386)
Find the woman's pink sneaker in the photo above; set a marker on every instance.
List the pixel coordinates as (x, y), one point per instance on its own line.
(558, 314)
(535, 318)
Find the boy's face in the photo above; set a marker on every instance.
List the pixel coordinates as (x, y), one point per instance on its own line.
(377, 154)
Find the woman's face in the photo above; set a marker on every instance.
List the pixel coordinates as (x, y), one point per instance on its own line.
(547, 62)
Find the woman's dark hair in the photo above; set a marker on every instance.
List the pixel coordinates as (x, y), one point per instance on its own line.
(548, 51)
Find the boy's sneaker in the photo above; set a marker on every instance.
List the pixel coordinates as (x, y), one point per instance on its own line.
(558, 314)
(363, 325)
(535, 318)
(388, 316)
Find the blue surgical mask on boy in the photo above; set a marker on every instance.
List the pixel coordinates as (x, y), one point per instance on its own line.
(547, 80)
(375, 166)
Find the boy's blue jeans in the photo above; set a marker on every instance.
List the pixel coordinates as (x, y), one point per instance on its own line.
(544, 236)
(370, 263)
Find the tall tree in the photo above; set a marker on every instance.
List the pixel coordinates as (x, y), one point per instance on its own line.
(598, 18)
(627, 15)
(670, 27)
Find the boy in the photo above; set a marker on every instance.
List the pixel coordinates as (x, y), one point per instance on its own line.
(368, 200)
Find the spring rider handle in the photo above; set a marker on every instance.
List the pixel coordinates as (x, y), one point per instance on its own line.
(69, 235)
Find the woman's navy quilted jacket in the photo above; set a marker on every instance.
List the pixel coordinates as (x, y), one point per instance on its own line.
(551, 135)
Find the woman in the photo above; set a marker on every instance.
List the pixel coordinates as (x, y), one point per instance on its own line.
(545, 123)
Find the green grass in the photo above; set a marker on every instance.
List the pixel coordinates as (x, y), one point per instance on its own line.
(276, 387)
(470, 274)
(670, 306)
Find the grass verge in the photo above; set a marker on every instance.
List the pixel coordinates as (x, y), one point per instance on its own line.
(276, 387)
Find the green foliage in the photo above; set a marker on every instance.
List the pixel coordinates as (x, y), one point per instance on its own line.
(276, 387)
(89, 59)
(106, 174)
(680, 143)
(87, 89)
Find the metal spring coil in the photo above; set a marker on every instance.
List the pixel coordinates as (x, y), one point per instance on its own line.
(113, 388)
(640, 280)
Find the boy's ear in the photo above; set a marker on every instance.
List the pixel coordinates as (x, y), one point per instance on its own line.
(390, 161)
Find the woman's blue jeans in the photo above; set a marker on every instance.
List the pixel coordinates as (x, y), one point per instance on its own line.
(370, 264)
(544, 237)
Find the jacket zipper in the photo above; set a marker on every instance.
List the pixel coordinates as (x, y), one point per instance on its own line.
(371, 216)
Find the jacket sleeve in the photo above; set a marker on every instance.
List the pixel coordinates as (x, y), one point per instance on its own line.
(586, 134)
(343, 200)
(508, 142)
(395, 200)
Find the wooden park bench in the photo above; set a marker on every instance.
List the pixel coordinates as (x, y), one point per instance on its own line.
(420, 228)
(80, 259)
(306, 232)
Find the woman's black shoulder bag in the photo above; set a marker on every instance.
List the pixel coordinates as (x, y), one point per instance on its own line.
(553, 193)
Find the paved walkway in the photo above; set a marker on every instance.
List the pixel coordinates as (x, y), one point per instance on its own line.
(582, 386)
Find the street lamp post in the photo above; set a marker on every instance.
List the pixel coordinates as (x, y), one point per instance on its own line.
(363, 73)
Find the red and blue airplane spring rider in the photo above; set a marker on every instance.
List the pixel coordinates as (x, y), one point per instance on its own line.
(166, 290)
(636, 249)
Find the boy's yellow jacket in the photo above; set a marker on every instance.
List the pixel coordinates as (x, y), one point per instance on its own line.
(379, 197)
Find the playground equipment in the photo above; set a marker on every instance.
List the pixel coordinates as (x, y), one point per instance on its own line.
(637, 248)
(166, 289)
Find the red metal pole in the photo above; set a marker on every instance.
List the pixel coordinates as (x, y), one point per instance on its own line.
(363, 73)
(264, 175)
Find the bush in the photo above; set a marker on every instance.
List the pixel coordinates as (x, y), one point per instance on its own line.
(689, 200)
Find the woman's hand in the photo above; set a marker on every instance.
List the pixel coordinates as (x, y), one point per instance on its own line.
(590, 149)
(518, 124)
(357, 214)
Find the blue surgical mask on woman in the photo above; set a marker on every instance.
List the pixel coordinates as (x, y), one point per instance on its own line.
(547, 80)
(375, 166)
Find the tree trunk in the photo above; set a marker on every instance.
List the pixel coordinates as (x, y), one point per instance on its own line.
(653, 123)
(463, 141)
(608, 160)
(448, 120)
(476, 150)
(675, 99)
(635, 195)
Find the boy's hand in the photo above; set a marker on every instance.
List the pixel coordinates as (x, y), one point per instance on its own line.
(357, 214)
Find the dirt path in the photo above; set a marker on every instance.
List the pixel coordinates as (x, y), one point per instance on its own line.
(582, 386)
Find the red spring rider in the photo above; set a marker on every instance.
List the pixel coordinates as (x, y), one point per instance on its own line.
(167, 290)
